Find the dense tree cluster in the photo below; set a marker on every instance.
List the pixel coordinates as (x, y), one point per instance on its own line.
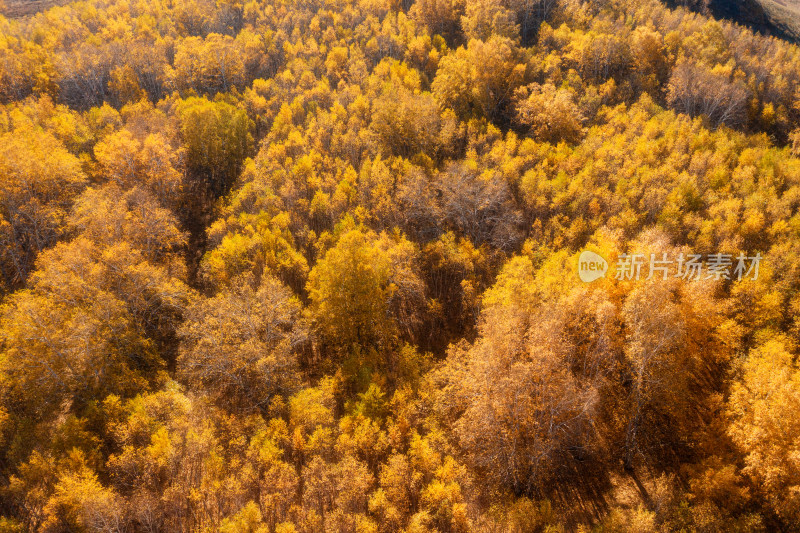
(310, 265)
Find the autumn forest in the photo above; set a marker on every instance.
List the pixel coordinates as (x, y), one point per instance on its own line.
(312, 266)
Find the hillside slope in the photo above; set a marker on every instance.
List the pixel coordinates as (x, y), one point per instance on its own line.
(23, 8)
(780, 18)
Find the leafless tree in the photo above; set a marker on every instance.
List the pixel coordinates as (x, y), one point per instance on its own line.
(695, 90)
